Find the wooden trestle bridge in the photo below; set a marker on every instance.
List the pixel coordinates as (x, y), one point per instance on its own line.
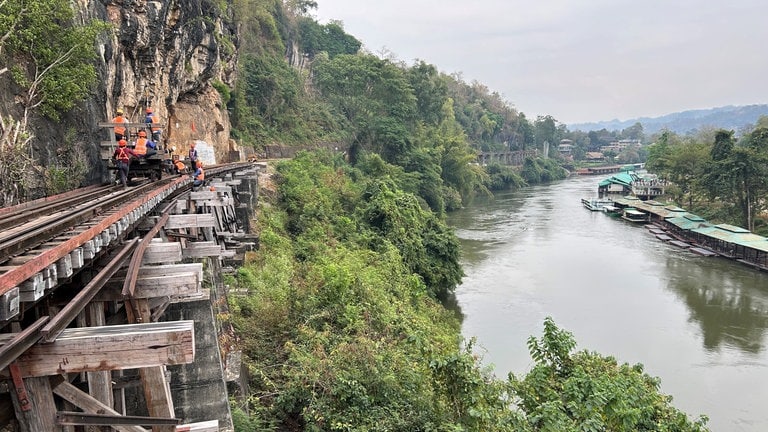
(85, 280)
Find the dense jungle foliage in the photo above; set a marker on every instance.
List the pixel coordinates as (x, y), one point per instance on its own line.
(340, 321)
(342, 329)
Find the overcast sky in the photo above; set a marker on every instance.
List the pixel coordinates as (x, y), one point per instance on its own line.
(579, 61)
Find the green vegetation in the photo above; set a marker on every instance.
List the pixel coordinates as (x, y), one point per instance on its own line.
(716, 175)
(342, 328)
(52, 57)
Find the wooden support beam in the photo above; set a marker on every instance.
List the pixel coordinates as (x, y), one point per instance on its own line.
(99, 382)
(201, 250)
(162, 252)
(39, 411)
(191, 221)
(71, 418)
(181, 284)
(157, 391)
(85, 402)
(110, 348)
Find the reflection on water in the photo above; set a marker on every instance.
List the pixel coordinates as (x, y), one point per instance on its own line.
(697, 323)
(725, 304)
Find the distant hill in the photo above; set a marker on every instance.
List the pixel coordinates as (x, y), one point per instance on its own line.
(727, 117)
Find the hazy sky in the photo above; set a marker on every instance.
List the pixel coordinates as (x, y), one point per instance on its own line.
(579, 61)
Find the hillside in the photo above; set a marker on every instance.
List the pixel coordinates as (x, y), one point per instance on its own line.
(727, 117)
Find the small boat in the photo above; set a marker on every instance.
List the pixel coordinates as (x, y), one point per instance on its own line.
(596, 204)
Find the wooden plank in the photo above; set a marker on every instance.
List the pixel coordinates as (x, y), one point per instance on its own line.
(99, 382)
(157, 390)
(201, 249)
(181, 284)
(203, 195)
(87, 403)
(171, 270)
(111, 348)
(190, 221)
(162, 252)
(39, 414)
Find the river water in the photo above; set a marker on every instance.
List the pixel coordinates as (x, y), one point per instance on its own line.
(697, 323)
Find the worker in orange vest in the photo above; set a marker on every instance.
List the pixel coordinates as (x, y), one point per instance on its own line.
(150, 120)
(144, 147)
(122, 157)
(178, 165)
(119, 129)
(199, 174)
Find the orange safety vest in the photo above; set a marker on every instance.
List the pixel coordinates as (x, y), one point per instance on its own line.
(200, 176)
(154, 120)
(141, 147)
(180, 165)
(119, 129)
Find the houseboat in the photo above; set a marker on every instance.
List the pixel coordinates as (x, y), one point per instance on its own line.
(596, 204)
(632, 214)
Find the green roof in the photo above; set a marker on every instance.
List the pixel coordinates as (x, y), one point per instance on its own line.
(740, 237)
(622, 178)
(688, 222)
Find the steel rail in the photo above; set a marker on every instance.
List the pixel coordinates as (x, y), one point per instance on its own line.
(18, 274)
(68, 313)
(24, 215)
(37, 233)
(21, 342)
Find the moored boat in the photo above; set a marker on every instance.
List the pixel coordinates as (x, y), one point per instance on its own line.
(596, 204)
(631, 214)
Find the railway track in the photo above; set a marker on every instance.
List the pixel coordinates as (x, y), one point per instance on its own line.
(61, 257)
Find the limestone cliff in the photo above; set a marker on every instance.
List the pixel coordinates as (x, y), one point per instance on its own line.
(167, 55)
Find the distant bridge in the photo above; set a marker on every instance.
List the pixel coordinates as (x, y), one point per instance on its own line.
(515, 158)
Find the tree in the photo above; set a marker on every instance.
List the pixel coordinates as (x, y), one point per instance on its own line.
(52, 65)
(375, 97)
(53, 56)
(545, 130)
(634, 132)
(585, 391)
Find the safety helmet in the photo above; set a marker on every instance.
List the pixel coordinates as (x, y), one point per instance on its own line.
(122, 143)
(192, 144)
(149, 110)
(119, 110)
(142, 134)
(199, 164)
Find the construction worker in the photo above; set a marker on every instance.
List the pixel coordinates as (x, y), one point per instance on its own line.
(122, 157)
(199, 175)
(192, 154)
(143, 147)
(151, 120)
(179, 165)
(119, 129)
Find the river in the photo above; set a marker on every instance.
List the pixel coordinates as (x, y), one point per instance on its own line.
(697, 323)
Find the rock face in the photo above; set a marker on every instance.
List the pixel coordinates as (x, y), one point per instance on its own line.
(167, 55)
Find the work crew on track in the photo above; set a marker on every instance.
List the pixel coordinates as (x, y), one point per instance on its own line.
(122, 157)
(119, 129)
